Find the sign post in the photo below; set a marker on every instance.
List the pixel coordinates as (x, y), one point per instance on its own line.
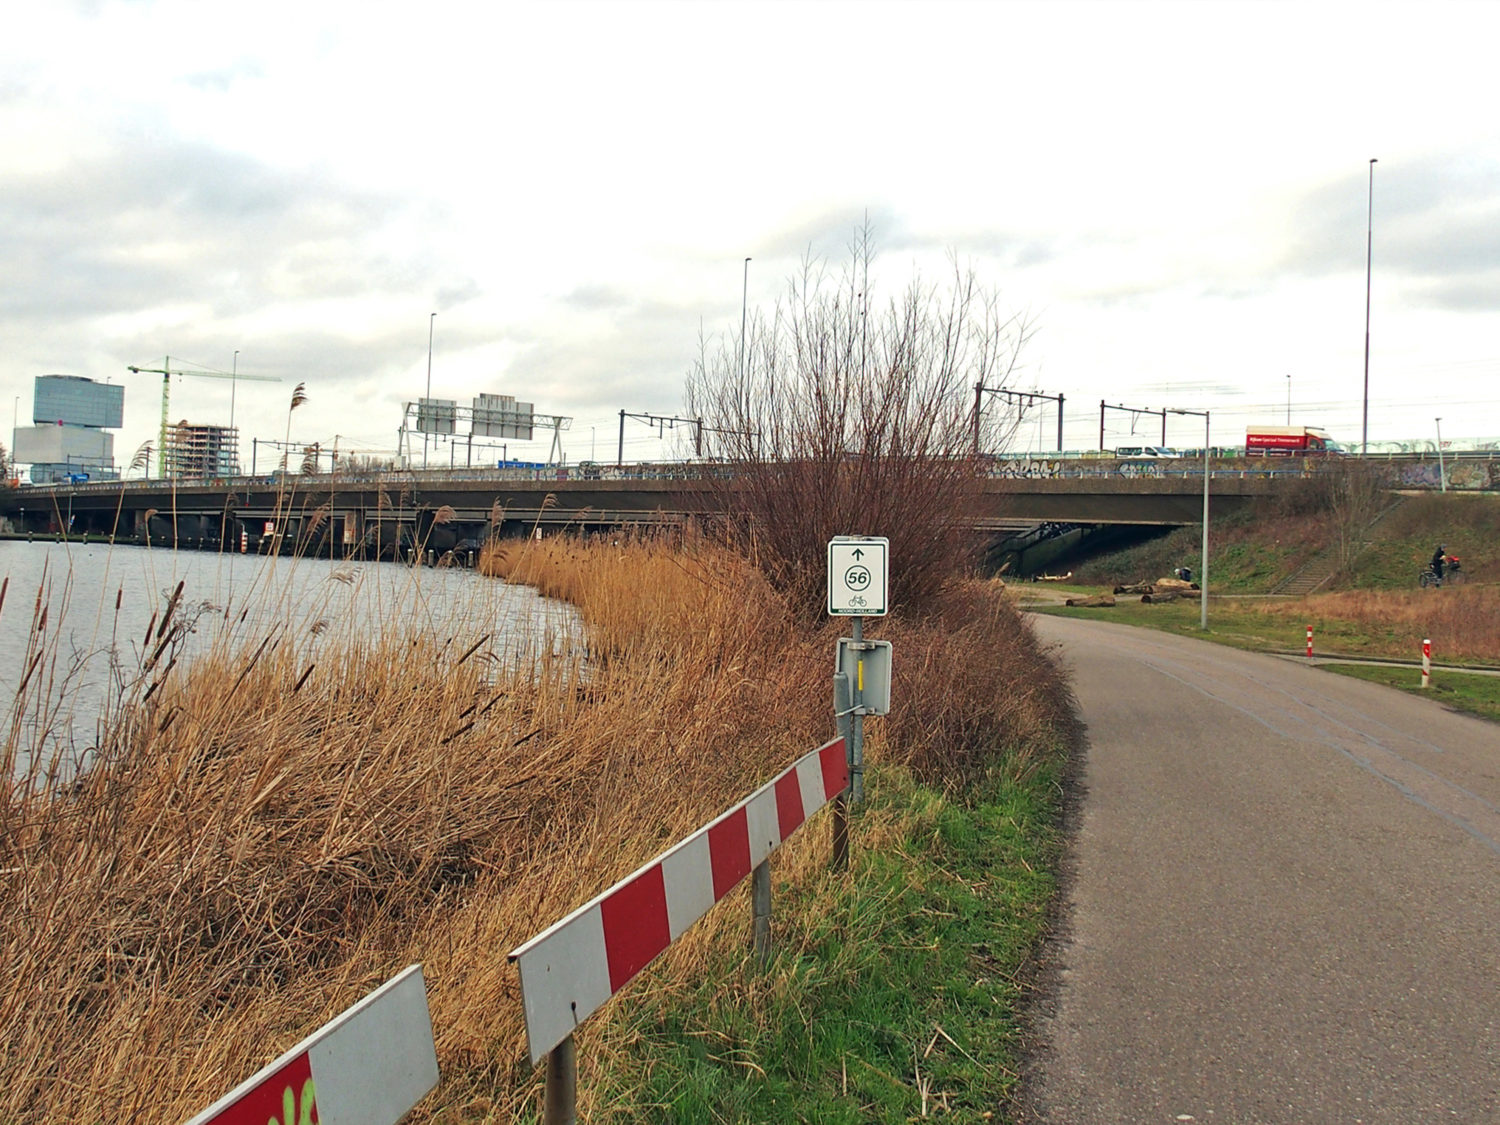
(858, 587)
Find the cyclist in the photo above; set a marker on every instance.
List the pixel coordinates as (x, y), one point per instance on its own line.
(1438, 558)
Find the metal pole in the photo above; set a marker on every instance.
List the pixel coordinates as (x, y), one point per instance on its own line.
(1442, 473)
(431, 320)
(1364, 435)
(560, 1098)
(234, 370)
(1289, 399)
(760, 897)
(857, 724)
(843, 703)
(744, 305)
(1059, 421)
(1101, 425)
(978, 395)
(1203, 577)
(620, 453)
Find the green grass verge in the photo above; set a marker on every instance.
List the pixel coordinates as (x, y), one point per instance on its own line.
(896, 989)
(1463, 691)
(1243, 624)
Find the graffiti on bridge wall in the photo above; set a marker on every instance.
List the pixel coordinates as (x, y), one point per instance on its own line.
(1469, 475)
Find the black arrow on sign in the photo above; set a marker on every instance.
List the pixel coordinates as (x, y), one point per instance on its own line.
(858, 553)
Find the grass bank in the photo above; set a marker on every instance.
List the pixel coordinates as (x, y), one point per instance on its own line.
(1253, 549)
(896, 991)
(1463, 622)
(271, 830)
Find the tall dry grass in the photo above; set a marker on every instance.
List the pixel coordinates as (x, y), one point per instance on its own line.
(266, 836)
(1463, 621)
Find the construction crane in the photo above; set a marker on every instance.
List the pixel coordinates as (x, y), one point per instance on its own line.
(166, 373)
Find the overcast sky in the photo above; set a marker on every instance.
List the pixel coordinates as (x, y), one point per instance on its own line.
(1175, 194)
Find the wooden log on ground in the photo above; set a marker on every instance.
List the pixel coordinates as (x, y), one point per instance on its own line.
(1103, 601)
(1135, 588)
(1174, 584)
(1161, 597)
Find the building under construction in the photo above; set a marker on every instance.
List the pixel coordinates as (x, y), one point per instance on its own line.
(201, 451)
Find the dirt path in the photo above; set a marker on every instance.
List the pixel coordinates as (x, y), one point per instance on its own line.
(1284, 896)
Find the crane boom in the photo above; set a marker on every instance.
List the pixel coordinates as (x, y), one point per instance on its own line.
(165, 371)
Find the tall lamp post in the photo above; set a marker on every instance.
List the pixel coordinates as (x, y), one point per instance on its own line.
(1364, 433)
(234, 371)
(1442, 474)
(431, 320)
(744, 306)
(1203, 564)
(1289, 399)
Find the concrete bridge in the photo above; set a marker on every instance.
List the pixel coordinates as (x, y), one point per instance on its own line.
(386, 514)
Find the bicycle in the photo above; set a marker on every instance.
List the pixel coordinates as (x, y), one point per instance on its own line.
(1453, 574)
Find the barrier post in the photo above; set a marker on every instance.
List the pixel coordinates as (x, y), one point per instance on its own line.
(760, 898)
(1426, 662)
(561, 1095)
(1309, 642)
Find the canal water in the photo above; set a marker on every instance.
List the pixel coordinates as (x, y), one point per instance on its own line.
(100, 602)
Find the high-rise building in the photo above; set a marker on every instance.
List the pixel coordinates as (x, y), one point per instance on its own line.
(67, 440)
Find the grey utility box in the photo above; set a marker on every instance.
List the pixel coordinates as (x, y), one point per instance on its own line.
(874, 676)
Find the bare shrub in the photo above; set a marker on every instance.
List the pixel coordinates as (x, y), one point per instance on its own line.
(842, 415)
(1356, 494)
(952, 725)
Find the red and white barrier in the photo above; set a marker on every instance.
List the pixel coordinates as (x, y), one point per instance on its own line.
(368, 1066)
(571, 968)
(1309, 642)
(1426, 662)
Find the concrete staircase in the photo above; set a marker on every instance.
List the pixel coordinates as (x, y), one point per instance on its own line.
(1316, 571)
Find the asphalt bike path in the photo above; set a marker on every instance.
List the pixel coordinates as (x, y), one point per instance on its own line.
(1281, 898)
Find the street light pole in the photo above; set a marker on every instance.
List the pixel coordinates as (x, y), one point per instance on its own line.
(234, 371)
(744, 306)
(1203, 563)
(1442, 474)
(1364, 440)
(431, 320)
(1289, 399)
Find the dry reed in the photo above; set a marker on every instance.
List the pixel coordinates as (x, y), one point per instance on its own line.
(279, 827)
(1462, 621)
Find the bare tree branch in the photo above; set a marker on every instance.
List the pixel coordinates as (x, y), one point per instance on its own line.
(839, 414)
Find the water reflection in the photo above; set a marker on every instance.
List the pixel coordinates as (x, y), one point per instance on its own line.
(78, 620)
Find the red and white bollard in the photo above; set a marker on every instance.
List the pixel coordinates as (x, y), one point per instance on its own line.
(1309, 642)
(1426, 663)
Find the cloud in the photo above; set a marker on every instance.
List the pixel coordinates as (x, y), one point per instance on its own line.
(188, 223)
(1436, 230)
(223, 79)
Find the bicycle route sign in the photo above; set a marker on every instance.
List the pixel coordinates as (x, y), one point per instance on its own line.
(857, 575)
